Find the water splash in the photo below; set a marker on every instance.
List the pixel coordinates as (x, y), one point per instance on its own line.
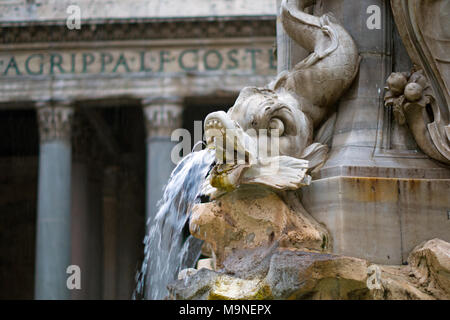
(166, 249)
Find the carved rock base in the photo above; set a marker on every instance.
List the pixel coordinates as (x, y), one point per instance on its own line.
(254, 217)
(294, 274)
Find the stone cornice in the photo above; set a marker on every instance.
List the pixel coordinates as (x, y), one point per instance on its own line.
(141, 30)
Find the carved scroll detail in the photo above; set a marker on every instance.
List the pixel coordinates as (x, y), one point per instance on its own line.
(411, 98)
(425, 31)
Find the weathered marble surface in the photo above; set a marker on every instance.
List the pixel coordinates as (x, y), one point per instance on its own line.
(379, 219)
(366, 141)
(378, 193)
(293, 274)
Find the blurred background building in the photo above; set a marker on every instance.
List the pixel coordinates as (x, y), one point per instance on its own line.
(86, 116)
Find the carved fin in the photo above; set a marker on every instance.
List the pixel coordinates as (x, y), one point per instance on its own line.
(316, 154)
(281, 173)
(325, 133)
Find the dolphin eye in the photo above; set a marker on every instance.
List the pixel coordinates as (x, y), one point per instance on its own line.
(276, 127)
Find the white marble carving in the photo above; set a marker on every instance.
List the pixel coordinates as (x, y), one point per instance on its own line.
(287, 112)
(411, 98)
(422, 100)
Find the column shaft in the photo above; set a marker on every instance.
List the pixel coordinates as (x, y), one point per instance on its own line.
(53, 244)
(159, 167)
(162, 117)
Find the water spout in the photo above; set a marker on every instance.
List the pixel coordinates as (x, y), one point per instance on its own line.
(167, 250)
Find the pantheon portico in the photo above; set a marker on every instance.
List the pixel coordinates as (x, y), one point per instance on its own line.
(106, 99)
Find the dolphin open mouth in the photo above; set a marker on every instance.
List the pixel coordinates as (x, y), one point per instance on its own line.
(233, 146)
(239, 160)
(235, 150)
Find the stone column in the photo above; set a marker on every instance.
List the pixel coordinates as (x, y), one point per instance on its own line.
(53, 244)
(162, 116)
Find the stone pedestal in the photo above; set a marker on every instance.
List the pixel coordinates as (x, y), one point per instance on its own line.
(378, 194)
(53, 245)
(380, 219)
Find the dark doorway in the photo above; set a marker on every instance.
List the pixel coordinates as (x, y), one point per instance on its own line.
(18, 191)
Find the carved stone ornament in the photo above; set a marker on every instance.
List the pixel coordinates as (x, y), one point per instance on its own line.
(54, 120)
(287, 112)
(267, 144)
(261, 242)
(422, 99)
(162, 117)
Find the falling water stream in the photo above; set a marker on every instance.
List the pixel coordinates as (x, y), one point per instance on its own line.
(167, 250)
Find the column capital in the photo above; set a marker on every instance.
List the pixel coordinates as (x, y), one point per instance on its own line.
(162, 115)
(54, 119)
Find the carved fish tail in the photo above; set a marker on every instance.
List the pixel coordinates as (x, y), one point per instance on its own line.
(331, 67)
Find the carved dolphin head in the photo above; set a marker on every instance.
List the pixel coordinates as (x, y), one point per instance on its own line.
(267, 113)
(260, 140)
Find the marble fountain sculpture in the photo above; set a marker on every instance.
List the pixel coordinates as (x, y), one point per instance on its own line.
(262, 242)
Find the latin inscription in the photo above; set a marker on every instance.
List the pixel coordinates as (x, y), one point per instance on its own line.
(49, 63)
